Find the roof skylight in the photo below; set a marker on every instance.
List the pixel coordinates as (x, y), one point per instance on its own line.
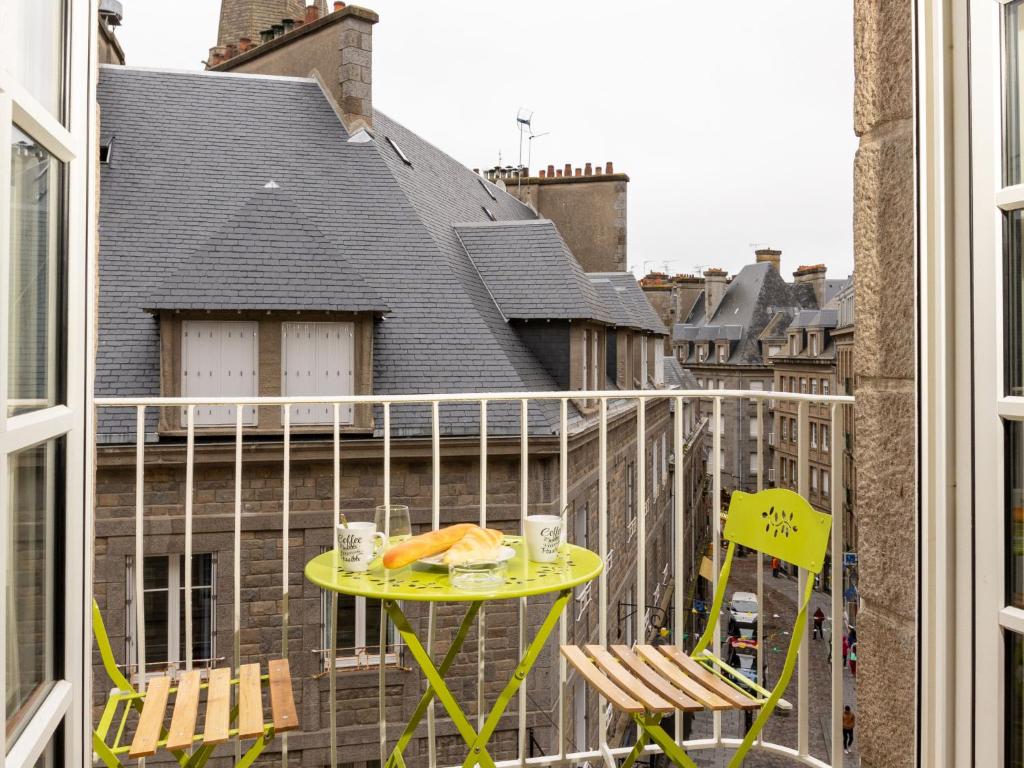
(490, 214)
(488, 190)
(398, 151)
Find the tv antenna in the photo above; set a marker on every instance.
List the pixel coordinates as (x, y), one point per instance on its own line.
(524, 119)
(699, 269)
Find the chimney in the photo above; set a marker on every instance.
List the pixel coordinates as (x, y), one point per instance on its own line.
(356, 67)
(588, 170)
(715, 282)
(608, 167)
(244, 44)
(771, 256)
(312, 13)
(814, 276)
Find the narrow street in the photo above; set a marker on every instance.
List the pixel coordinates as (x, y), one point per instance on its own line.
(778, 614)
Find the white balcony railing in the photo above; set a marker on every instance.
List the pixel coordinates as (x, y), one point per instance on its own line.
(634, 552)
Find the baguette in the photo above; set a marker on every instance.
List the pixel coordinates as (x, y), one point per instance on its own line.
(478, 544)
(424, 545)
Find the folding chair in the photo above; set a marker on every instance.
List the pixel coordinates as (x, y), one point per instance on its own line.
(222, 723)
(648, 682)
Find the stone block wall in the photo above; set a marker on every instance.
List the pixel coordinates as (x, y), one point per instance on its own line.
(884, 357)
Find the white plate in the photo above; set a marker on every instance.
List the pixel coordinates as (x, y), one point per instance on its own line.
(504, 554)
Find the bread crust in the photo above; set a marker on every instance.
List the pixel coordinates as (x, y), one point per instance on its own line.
(425, 545)
(478, 544)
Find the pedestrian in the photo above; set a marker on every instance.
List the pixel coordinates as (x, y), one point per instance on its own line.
(819, 621)
(775, 567)
(849, 720)
(853, 659)
(846, 648)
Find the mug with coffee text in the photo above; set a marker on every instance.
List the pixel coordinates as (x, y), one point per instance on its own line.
(358, 545)
(543, 537)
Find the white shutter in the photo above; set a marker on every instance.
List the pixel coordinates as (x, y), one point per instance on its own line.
(659, 367)
(318, 360)
(643, 362)
(219, 359)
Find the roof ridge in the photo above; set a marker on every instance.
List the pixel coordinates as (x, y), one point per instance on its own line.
(206, 73)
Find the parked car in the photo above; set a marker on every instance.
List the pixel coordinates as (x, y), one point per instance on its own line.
(743, 609)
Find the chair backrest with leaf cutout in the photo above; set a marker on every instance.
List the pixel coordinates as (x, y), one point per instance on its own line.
(779, 523)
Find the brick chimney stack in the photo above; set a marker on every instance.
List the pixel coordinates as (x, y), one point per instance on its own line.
(814, 276)
(770, 256)
(715, 282)
(356, 79)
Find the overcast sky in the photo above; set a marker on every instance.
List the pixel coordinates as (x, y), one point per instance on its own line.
(733, 120)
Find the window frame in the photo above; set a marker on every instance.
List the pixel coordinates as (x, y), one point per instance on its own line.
(63, 716)
(355, 660)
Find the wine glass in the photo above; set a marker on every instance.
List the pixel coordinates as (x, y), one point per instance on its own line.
(393, 521)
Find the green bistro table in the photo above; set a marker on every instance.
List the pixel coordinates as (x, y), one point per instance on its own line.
(574, 566)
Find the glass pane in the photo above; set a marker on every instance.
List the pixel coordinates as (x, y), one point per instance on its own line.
(156, 628)
(1014, 700)
(30, 600)
(1015, 513)
(202, 608)
(36, 277)
(373, 624)
(346, 623)
(37, 61)
(1013, 102)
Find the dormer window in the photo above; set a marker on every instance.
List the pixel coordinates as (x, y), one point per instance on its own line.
(317, 359)
(702, 352)
(219, 358)
(723, 352)
(794, 343)
(814, 344)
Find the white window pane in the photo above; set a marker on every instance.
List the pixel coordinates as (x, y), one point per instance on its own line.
(37, 62)
(36, 265)
(30, 603)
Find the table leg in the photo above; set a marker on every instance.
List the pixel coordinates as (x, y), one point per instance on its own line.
(435, 680)
(442, 670)
(477, 749)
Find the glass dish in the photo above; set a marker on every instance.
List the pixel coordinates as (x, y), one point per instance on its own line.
(478, 576)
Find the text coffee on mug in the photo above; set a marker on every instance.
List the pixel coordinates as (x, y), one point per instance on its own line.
(543, 537)
(358, 545)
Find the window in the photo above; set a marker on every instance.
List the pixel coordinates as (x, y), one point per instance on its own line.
(793, 435)
(700, 382)
(824, 386)
(753, 426)
(630, 499)
(318, 359)
(35, 311)
(38, 61)
(487, 189)
(581, 525)
(803, 385)
(721, 383)
(702, 352)
(792, 384)
(753, 462)
(585, 383)
(654, 468)
(723, 353)
(824, 483)
(793, 476)
(106, 151)
(784, 470)
(814, 345)
(595, 363)
(785, 431)
(664, 458)
(824, 437)
(756, 386)
(814, 479)
(814, 386)
(659, 366)
(783, 385)
(814, 435)
(643, 362)
(32, 605)
(219, 359)
(163, 585)
(358, 643)
(398, 151)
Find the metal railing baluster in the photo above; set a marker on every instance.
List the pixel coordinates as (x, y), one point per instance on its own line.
(838, 491)
(140, 554)
(641, 520)
(381, 701)
(563, 503)
(524, 510)
(481, 644)
(238, 557)
(286, 481)
(602, 546)
(679, 531)
(190, 454)
(803, 665)
(716, 517)
(435, 523)
(333, 619)
(760, 556)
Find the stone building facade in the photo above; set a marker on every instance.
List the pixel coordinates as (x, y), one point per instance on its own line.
(672, 297)
(884, 380)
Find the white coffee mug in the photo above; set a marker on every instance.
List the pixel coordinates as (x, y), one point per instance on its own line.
(358, 545)
(543, 537)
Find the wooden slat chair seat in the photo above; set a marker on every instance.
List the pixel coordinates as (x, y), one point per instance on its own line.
(178, 735)
(649, 682)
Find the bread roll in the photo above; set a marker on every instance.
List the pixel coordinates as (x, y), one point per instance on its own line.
(424, 545)
(478, 544)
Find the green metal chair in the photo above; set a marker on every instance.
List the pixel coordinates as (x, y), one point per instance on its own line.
(223, 722)
(649, 682)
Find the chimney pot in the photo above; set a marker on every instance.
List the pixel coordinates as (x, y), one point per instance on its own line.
(608, 167)
(288, 25)
(770, 256)
(232, 51)
(244, 44)
(551, 171)
(597, 171)
(568, 169)
(715, 281)
(588, 170)
(338, 6)
(542, 172)
(312, 13)
(579, 171)
(559, 174)
(278, 29)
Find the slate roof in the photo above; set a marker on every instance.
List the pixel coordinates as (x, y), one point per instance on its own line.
(634, 301)
(752, 298)
(819, 318)
(611, 301)
(678, 377)
(530, 272)
(267, 256)
(190, 145)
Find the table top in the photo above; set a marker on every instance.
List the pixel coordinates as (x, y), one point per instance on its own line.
(523, 578)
